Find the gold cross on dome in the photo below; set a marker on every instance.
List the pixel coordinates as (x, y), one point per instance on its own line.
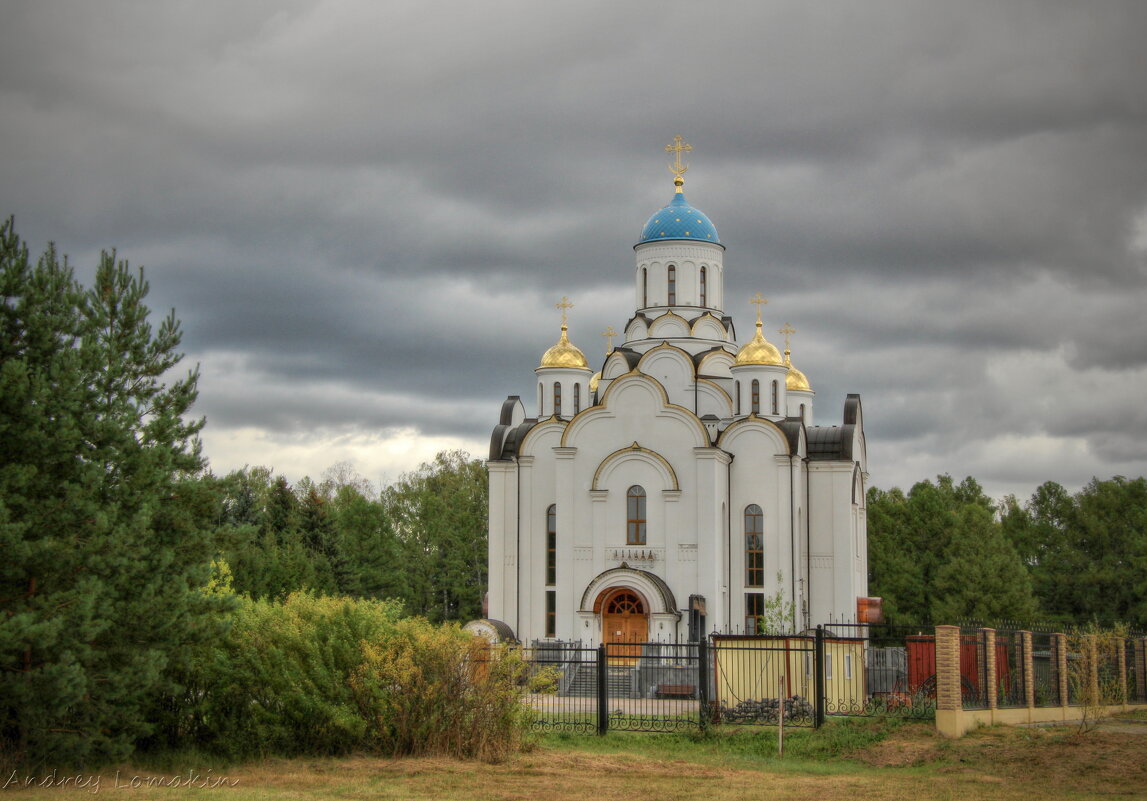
(609, 333)
(564, 305)
(679, 145)
(788, 330)
(758, 301)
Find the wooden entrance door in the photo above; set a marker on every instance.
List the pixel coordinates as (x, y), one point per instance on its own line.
(624, 621)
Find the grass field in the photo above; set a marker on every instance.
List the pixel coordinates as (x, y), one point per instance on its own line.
(858, 761)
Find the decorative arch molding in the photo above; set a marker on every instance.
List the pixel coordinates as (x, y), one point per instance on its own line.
(858, 496)
(708, 326)
(717, 362)
(549, 425)
(669, 325)
(634, 380)
(714, 391)
(635, 453)
(618, 364)
(754, 425)
(663, 351)
(655, 592)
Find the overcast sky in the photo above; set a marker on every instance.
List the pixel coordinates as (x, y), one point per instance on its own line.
(364, 212)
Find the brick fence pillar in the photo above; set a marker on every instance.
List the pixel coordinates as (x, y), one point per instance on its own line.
(1060, 641)
(948, 668)
(949, 704)
(1029, 668)
(990, 669)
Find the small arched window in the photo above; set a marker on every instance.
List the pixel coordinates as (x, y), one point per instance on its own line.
(577, 398)
(704, 288)
(552, 545)
(776, 394)
(672, 285)
(737, 392)
(557, 399)
(802, 412)
(635, 516)
(539, 397)
(754, 546)
(644, 287)
(756, 407)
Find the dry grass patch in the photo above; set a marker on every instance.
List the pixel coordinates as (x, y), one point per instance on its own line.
(990, 764)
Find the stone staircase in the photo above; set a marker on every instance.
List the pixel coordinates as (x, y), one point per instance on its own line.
(620, 680)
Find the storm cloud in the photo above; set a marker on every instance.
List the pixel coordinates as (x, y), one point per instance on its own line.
(364, 213)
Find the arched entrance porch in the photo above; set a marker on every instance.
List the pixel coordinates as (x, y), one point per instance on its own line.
(636, 603)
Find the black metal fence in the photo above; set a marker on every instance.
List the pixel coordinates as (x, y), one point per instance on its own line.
(1136, 658)
(733, 679)
(842, 671)
(974, 669)
(645, 686)
(1010, 688)
(1045, 669)
(766, 680)
(875, 670)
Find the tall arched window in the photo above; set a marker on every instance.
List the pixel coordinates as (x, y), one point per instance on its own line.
(776, 395)
(754, 546)
(577, 398)
(552, 545)
(704, 288)
(672, 285)
(551, 570)
(802, 412)
(557, 399)
(756, 396)
(644, 287)
(635, 516)
(737, 392)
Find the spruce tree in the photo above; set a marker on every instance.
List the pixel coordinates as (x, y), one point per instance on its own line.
(104, 526)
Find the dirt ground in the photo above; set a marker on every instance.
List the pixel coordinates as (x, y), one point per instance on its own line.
(1110, 760)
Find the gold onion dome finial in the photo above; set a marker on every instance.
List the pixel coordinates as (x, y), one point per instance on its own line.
(564, 353)
(795, 378)
(758, 350)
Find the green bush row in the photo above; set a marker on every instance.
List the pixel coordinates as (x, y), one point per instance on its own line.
(330, 675)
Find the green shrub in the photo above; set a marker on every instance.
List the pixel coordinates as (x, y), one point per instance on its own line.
(325, 676)
(279, 682)
(437, 690)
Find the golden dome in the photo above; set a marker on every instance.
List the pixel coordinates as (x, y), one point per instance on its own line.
(564, 354)
(595, 381)
(758, 351)
(795, 379)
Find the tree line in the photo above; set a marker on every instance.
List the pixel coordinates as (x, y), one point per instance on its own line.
(946, 552)
(116, 538)
(421, 540)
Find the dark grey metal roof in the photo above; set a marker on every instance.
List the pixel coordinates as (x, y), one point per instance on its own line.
(827, 444)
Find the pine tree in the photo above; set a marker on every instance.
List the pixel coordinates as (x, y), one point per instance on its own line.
(981, 578)
(103, 525)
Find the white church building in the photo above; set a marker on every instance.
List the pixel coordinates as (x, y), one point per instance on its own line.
(683, 488)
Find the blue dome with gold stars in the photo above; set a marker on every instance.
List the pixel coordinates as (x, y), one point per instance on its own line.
(679, 220)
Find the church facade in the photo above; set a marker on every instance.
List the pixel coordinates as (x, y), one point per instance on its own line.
(683, 487)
